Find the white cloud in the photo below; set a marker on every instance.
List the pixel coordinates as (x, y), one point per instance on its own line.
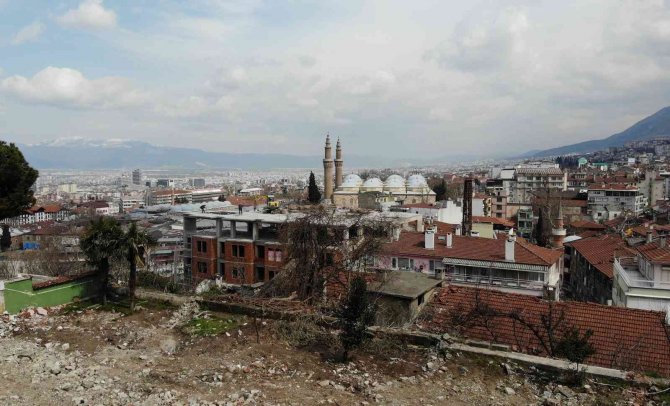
(28, 33)
(65, 87)
(91, 14)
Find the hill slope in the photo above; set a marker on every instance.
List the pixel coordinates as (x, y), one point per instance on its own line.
(656, 125)
(78, 153)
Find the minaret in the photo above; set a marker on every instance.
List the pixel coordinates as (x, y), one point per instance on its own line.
(558, 231)
(338, 164)
(328, 171)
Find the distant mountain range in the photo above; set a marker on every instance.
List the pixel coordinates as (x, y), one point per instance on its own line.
(656, 125)
(82, 153)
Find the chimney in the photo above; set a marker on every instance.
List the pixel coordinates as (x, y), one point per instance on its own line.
(663, 241)
(650, 236)
(450, 240)
(509, 246)
(396, 233)
(429, 238)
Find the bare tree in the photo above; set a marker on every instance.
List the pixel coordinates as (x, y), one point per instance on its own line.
(323, 247)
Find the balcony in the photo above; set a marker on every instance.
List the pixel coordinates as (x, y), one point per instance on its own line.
(628, 271)
(494, 281)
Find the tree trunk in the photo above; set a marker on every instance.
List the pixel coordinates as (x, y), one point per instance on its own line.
(104, 268)
(132, 281)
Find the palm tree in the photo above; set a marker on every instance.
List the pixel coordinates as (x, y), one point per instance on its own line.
(133, 240)
(103, 240)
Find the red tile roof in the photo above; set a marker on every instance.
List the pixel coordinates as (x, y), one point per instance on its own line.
(599, 251)
(472, 248)
(61, 279)
(420, 206)
(613, 186)
(444, 228)
(628, 339)
(587, 225)
(495, 220)
(655, 253)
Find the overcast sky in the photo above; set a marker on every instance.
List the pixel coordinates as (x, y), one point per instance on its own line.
(399, 78)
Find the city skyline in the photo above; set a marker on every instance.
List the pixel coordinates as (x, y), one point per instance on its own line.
(428, 79)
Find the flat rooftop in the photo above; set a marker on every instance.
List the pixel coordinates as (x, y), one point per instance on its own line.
(404, 284)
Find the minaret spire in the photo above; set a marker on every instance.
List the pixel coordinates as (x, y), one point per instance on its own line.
(338, 164)
(328, 171)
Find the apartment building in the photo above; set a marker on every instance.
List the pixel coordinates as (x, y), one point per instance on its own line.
(39, 214)
(514, 188)
(607, 201)
(642, 281)
(245, 248)
(241, 249)
(504, 264)
(169, 196)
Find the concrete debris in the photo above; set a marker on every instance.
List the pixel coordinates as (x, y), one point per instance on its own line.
(183, 315)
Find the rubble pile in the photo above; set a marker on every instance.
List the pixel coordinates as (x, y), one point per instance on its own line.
(183, 315)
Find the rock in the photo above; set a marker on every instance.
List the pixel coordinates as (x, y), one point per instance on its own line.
(55, 368)
(508, 369)
(565, 391)
(509, 391)
(463, 370)
(324, 382)
(65, 346)
(42, 311)
(430, 366)
(168, 346)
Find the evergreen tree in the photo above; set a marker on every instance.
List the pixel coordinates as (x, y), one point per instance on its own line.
(6, 239)
(576, 348)
(313, 194)
(16, 179)
(440, 188)
(355, 314)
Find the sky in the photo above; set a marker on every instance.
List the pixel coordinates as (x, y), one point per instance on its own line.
(402, 79)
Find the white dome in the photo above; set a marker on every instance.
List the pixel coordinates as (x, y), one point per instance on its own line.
(417, 182)
(351, 182)
(373, 184)
(394, 183)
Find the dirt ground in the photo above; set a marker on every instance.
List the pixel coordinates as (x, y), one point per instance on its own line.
(181, 356)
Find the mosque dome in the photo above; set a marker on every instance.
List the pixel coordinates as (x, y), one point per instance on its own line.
(352, 182)
(416, 183)
(394, 183)
(372, 185)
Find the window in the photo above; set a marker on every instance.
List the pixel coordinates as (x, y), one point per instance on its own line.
(406, 263)
(278, 255)
(260, 273)
(238, 272)
(201, 246)
(222, 270)
(394, 263)
(238, 251)
(202, 267)
(260, 252)
(436, 265)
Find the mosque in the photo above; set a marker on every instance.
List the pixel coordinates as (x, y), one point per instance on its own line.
(353, 192)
